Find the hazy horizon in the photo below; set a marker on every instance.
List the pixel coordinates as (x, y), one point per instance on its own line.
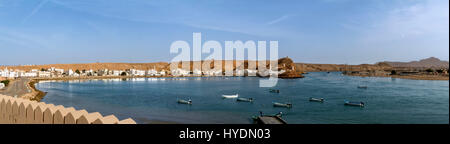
(140, 31)
(169, 62)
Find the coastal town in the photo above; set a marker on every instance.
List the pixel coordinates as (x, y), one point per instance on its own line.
(286, 69)
(60, 73)
(56, 72)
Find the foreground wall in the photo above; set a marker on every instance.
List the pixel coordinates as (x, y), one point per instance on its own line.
(23, 111)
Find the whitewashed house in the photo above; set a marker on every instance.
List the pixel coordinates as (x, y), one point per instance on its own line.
(152, 72)
(70, 72)
(59, 71)
(2, 85)
(135, 72)
(52, 69)
(250, 72)
(44, 74)
(117, 73)
(30, 74)
(240, 72)
(197, 72)
(13, 74)
(162, 73)
(180, 72)
(228, 73)
(105, 72)
(4, 73)
(208, 73)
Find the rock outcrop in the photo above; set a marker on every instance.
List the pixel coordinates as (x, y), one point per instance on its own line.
(291, 71)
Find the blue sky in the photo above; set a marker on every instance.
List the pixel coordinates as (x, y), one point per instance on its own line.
(312, 31)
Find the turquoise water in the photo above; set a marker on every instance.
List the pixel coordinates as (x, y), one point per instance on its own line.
(388, 100)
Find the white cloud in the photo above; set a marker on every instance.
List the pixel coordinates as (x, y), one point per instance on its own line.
(421, 19)
(278, 20)
(35, 10)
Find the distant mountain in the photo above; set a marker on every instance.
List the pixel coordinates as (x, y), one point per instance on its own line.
(431, 62)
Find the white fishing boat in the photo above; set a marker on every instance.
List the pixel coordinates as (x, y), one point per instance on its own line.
(230, 96)
(316, 99)
(349, 103)
(189, 102)
(286, 105)
(245, 99)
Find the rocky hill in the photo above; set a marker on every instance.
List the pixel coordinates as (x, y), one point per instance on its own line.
(292, 71)
(304, 67)
(386, 66)
(431, 62)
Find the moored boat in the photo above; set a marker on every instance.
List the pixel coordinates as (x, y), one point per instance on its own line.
(245, 99)
(362, 87)
(274, 91)
(316, 99)
(230, 96)
(349, 103)
(286, 105)
(189, 102)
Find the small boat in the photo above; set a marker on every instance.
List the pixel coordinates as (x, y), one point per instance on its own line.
(230, 96)
(349, 103)
(274, 91)
(286, 105)
(189, 102)
(362, 87)
(316, 99)
(245, 99)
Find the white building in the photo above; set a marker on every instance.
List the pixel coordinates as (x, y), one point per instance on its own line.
(44, 74)
(251, 72)
(152, 72)
(70, 72)
(240, 72)
(197, 72)
(180, 72)
(162, 73)
(228, 73)
(4, 73)
(13, 74)
(209, 73)
(60, 71)
(135, 72)
(52, 69)
(30, 74)
(105, 72)
(117, 73)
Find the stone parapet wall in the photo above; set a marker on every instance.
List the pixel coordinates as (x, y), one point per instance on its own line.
(23, 111)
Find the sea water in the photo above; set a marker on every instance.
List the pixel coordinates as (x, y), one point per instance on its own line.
(154, 100)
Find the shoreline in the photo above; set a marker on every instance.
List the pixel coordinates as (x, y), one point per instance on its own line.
(37, 94)
(410, 77)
